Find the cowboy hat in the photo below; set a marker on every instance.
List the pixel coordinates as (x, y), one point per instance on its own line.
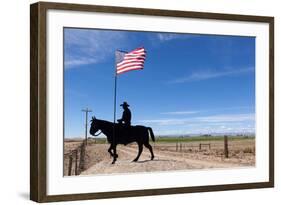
(125, 104)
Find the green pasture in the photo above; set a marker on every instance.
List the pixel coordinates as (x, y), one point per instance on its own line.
(199, 138)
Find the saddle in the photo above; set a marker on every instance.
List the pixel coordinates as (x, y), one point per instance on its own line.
(124, 132)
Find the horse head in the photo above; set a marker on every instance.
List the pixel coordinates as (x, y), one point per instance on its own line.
(94, 126)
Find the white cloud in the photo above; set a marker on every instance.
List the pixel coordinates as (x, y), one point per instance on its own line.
(89, 46)
(80, 61)
(204, 119)
(227, 118)
(165, 121)
(166, 36)
(210, 74)
(205, 130)
(180, 113)
(189, 112)
(172, 36)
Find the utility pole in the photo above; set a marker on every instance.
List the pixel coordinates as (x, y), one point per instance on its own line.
(226, 146)
(86, 123)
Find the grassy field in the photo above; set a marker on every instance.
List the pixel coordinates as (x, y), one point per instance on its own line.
(200, 138)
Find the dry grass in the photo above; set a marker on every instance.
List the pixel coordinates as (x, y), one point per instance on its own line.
(250, 150)
(167, 156)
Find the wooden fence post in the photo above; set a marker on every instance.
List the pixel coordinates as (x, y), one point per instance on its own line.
(76, 162)
(70, 164)
(200, 146)
(225, 146)
(177, 146)
(82, 157)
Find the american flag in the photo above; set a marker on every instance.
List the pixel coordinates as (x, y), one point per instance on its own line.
(133, 60)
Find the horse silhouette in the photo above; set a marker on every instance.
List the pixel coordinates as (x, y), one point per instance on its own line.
(123, 135)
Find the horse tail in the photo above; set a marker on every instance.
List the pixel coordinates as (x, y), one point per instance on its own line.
(151, 133)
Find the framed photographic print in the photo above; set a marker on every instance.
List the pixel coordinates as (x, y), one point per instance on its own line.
(135, 102)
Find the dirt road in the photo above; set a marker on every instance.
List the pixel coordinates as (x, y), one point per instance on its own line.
(163, 161)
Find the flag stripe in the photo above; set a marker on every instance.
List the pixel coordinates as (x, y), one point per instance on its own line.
(136, 54)
(134, 57)
(133, 60)
(137, 50)
(132, 67)
(126, 70)
(129, 65)
(130, 61)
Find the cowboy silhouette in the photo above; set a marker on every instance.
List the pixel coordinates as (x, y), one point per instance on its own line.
(126, 117)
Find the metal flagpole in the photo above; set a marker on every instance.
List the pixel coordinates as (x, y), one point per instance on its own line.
(115, 90)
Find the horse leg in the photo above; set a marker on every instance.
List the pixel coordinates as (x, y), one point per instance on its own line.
(148, 146)
(115, 156)
(140, 151)
(109, 150)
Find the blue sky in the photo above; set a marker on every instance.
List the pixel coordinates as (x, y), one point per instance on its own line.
(190, 83)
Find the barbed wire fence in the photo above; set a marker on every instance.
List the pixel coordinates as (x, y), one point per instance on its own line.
(75, 160)
(224, 147)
